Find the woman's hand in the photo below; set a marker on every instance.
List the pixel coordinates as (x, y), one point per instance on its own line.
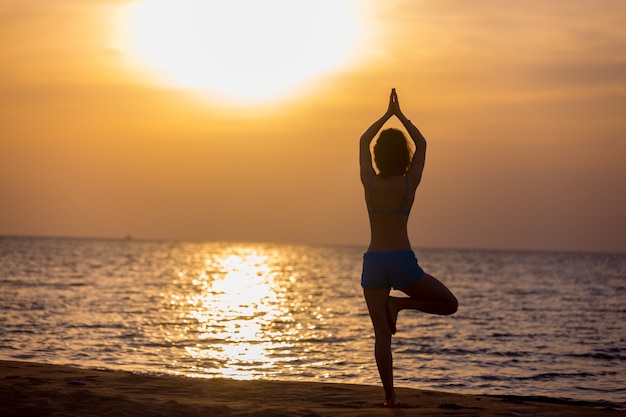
(393, 104)
(396, 104)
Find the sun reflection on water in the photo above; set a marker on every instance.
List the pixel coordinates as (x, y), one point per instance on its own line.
(237, 313)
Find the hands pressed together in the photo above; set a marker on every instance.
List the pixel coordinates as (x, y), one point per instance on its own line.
(394, 105)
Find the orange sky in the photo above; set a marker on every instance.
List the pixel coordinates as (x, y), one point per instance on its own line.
(521, 103)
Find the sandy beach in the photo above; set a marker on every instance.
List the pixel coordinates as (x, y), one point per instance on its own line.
(32, 389)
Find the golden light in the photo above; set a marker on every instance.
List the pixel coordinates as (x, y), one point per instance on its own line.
(234, 310)
(244, 51)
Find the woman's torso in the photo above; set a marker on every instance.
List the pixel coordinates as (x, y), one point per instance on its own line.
(389, 200)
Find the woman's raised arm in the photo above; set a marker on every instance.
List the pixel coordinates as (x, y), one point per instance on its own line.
(365, 157)
(419, 157)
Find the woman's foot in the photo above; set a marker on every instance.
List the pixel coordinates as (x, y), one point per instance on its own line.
(392, 402)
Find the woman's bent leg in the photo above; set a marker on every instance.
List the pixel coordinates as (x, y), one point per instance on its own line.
(428, 295)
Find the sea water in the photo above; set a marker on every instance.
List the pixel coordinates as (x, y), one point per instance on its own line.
(529, 323)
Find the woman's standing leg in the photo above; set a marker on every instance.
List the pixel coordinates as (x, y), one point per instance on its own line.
(376, 299)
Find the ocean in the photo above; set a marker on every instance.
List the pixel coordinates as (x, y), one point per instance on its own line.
(529, 323)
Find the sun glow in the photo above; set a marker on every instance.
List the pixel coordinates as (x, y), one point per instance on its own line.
(241, 50)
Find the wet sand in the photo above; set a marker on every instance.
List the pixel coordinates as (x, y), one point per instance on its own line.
(32, 389)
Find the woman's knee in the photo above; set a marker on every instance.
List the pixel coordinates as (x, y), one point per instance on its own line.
(431, 290)
(382, 343)
(449, 302)
(452, 306)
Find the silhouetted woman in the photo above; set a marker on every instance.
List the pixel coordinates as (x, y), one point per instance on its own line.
(390, 261)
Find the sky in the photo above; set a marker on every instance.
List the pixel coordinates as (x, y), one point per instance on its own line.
(522, 105)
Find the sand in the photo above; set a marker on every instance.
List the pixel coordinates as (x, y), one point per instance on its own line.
(32, 389)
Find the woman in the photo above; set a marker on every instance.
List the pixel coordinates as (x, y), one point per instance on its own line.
(389, 261)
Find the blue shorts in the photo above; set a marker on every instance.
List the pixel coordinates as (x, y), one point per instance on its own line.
(390, 269)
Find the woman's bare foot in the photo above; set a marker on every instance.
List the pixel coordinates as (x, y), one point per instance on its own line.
(392, 402)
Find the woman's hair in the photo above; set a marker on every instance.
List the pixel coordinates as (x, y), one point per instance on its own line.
(392, 154)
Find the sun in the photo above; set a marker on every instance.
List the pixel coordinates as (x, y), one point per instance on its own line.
(240, 50)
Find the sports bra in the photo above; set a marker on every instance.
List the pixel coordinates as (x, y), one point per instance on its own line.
(373, 211)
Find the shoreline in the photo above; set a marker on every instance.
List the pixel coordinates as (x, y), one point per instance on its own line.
(29, 388)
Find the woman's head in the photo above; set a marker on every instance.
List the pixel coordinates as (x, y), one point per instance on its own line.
(392, 154)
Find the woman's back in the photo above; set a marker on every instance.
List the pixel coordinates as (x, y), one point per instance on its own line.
(389, 201)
